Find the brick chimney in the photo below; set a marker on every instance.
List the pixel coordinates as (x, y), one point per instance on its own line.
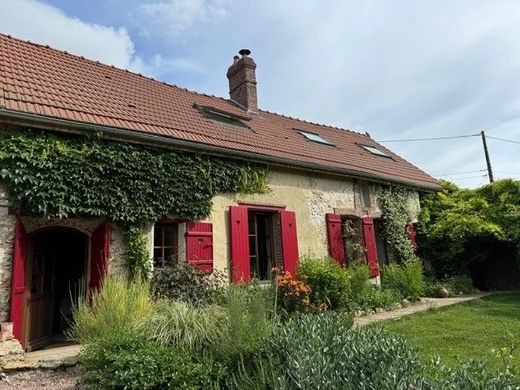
(242, 81)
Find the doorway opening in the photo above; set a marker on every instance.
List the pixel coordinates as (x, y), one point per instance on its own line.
(261, 244)
(55, 278)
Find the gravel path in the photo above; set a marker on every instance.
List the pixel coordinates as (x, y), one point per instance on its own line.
(64, 379)
(423, 305)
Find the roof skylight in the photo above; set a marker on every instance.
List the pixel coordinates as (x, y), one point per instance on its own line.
(315, 138)
(223, 118)
(375, 151)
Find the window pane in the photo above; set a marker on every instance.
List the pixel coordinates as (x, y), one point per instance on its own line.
(157, 257)
(169, 236)
(157, 233)
(252, 245)
(169, 256)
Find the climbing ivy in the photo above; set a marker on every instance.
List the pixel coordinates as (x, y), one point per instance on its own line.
(394, 205)
(56, 176)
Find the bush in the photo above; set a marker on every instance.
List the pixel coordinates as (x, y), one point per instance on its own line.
(329, 282)
(184, 282)
(471, 375)
(321, 352)
(118, 307)
(178, 324)
(454, 285)
(248, 325)
(407, 280)
(292, 294)
(374, 297)
(116, 362)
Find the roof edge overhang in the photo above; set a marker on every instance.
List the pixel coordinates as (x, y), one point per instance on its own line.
(20, 118)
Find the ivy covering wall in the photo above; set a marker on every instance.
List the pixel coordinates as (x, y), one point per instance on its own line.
(54, 175)
(394, 203)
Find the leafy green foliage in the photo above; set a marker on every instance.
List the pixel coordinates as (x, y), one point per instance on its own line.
(322, 352)
(117, 362)
(453, 284)
(184, 282)
(454, 222)
(248, 324)
(119, 307)
(180, 325)
(57, 176)
(407, 279)
(394, 205)
(329, 282)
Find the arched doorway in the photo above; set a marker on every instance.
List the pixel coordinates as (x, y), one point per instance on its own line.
(56, 269)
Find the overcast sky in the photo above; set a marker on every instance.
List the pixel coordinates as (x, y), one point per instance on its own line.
(396, 69)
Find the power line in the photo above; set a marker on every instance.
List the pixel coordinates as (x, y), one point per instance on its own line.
(461, 173)
(503, 139)
(470, 177)
(430, 139)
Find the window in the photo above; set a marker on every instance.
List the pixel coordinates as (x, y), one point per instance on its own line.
(364, 194)
(165, 244)
(261, 245)
(375, 151)
(223, 118)
(315, 138)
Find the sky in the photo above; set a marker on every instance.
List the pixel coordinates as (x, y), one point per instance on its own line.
(397, 69)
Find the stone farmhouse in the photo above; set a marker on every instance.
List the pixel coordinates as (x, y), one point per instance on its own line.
(320, 178)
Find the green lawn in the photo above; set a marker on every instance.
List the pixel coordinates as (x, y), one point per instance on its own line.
(466, 330)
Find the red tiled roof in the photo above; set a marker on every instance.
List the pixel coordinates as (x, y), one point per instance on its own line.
(36, 79)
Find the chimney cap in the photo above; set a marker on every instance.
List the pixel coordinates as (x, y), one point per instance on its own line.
(244, 52)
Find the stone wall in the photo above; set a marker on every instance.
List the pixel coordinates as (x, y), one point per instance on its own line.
(7, 226)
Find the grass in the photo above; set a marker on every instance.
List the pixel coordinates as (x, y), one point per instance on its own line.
(467, 330)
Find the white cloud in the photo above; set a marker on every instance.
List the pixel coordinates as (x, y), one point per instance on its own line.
(174, 17)
(42, 23)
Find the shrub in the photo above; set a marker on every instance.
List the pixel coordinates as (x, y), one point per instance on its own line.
(178, 324)
(248, 324)
(454, 285)
(406, 279)
(118, 307)
(374, 297)
(184, 282)
(470, 375)
(321, 352)
(359, 280)
(118, 362)
(329, 282)
(292, 294)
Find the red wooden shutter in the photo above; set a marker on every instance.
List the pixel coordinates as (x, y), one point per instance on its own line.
(289, 241)
(370, 246)
(240, 266)
(99, 255)
(335, 237)
(18, 280)
(411, 235)
(199, 245)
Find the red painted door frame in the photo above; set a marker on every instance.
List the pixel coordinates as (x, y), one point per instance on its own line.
(18, 280)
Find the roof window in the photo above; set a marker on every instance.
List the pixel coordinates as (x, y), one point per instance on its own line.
(315, 137)
(375, 151)
(223, 118)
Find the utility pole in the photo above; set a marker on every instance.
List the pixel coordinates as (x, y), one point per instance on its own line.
(486, 153)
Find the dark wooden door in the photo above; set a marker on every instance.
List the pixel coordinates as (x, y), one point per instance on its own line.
(40, 300)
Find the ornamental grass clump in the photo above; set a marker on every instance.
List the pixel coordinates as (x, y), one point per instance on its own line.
(117, 307)
(181, 325)
(406, 280)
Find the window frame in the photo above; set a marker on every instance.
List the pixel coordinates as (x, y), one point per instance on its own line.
(318, 138)
(375, 151)
(175, 240)
(269, 213)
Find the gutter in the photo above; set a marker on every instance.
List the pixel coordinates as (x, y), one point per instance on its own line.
(126, 135)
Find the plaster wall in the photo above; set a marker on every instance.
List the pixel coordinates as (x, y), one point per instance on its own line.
(310, 196)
